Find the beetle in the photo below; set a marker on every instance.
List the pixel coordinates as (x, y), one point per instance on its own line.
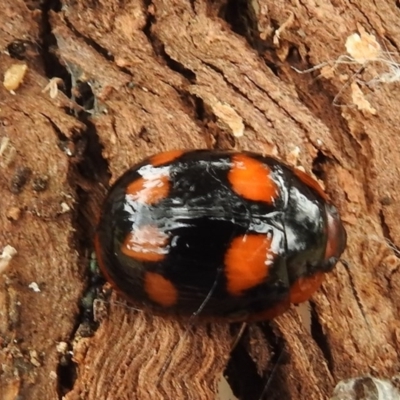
(219, 234)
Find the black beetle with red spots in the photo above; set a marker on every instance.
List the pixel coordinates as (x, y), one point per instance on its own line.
(236, 235)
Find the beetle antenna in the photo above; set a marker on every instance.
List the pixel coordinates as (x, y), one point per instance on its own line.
(239, 335)
(271, 375)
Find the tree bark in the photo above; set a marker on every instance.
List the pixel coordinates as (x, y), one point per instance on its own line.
(192, 74)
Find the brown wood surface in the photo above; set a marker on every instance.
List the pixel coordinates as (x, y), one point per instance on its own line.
(191, 74)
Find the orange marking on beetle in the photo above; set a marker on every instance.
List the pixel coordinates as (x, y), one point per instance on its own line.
(146, 243)
(305, 287)
(331, 247)
(247, 262)
(160, 290)
(166, 157)
(149, 190)
(310, 182)
(336, 233)
(252, 179)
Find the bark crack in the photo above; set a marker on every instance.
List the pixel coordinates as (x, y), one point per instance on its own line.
(88, 166)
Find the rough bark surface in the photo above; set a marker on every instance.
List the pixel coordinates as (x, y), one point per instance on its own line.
(170, 74)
